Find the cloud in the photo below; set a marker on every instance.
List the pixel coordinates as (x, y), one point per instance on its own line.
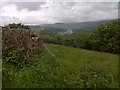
(30, 6)
(52, 12)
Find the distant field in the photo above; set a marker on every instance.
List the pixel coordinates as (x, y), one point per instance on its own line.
(83, 68)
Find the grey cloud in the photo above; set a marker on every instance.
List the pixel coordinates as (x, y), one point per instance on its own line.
(7, 20)
(105, 6)
(29, 5)
(52, 12)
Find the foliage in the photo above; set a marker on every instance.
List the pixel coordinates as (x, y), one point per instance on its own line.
(16, 25)
(19, 45)
(15, 57)
(41, 73)
(80, 40)
(105, 38)
(61, 67)
(76, 27)
(64, 67)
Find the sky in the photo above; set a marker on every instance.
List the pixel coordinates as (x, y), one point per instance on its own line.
(49, 11)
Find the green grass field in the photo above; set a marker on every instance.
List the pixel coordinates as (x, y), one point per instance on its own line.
(65, 67)
(84, 68)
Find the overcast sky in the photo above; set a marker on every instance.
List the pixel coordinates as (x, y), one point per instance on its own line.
(54, 12)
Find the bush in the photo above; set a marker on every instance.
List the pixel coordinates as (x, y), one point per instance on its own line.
(106, 38)
(20, 44)
(41, 74)
(15, 57)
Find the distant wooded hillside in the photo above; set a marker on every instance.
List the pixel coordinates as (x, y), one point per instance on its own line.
(54, 29)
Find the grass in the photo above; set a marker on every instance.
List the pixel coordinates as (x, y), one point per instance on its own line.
(83, 68)
(64, 67)
(39, 74)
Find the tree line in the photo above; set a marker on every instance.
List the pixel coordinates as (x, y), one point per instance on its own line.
(104, 39)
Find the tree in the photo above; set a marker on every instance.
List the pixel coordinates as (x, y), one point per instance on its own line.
(106, 38)
(17, 25)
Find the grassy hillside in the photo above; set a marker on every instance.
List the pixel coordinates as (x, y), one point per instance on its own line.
(40, 74)
(30, 63)
(64, 67)
(83, 68)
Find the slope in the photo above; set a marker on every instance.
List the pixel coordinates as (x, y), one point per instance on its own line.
(84, 68)
(54, 29)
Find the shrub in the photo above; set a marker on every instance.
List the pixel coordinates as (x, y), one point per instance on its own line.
(20, 44)
(106, 37)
